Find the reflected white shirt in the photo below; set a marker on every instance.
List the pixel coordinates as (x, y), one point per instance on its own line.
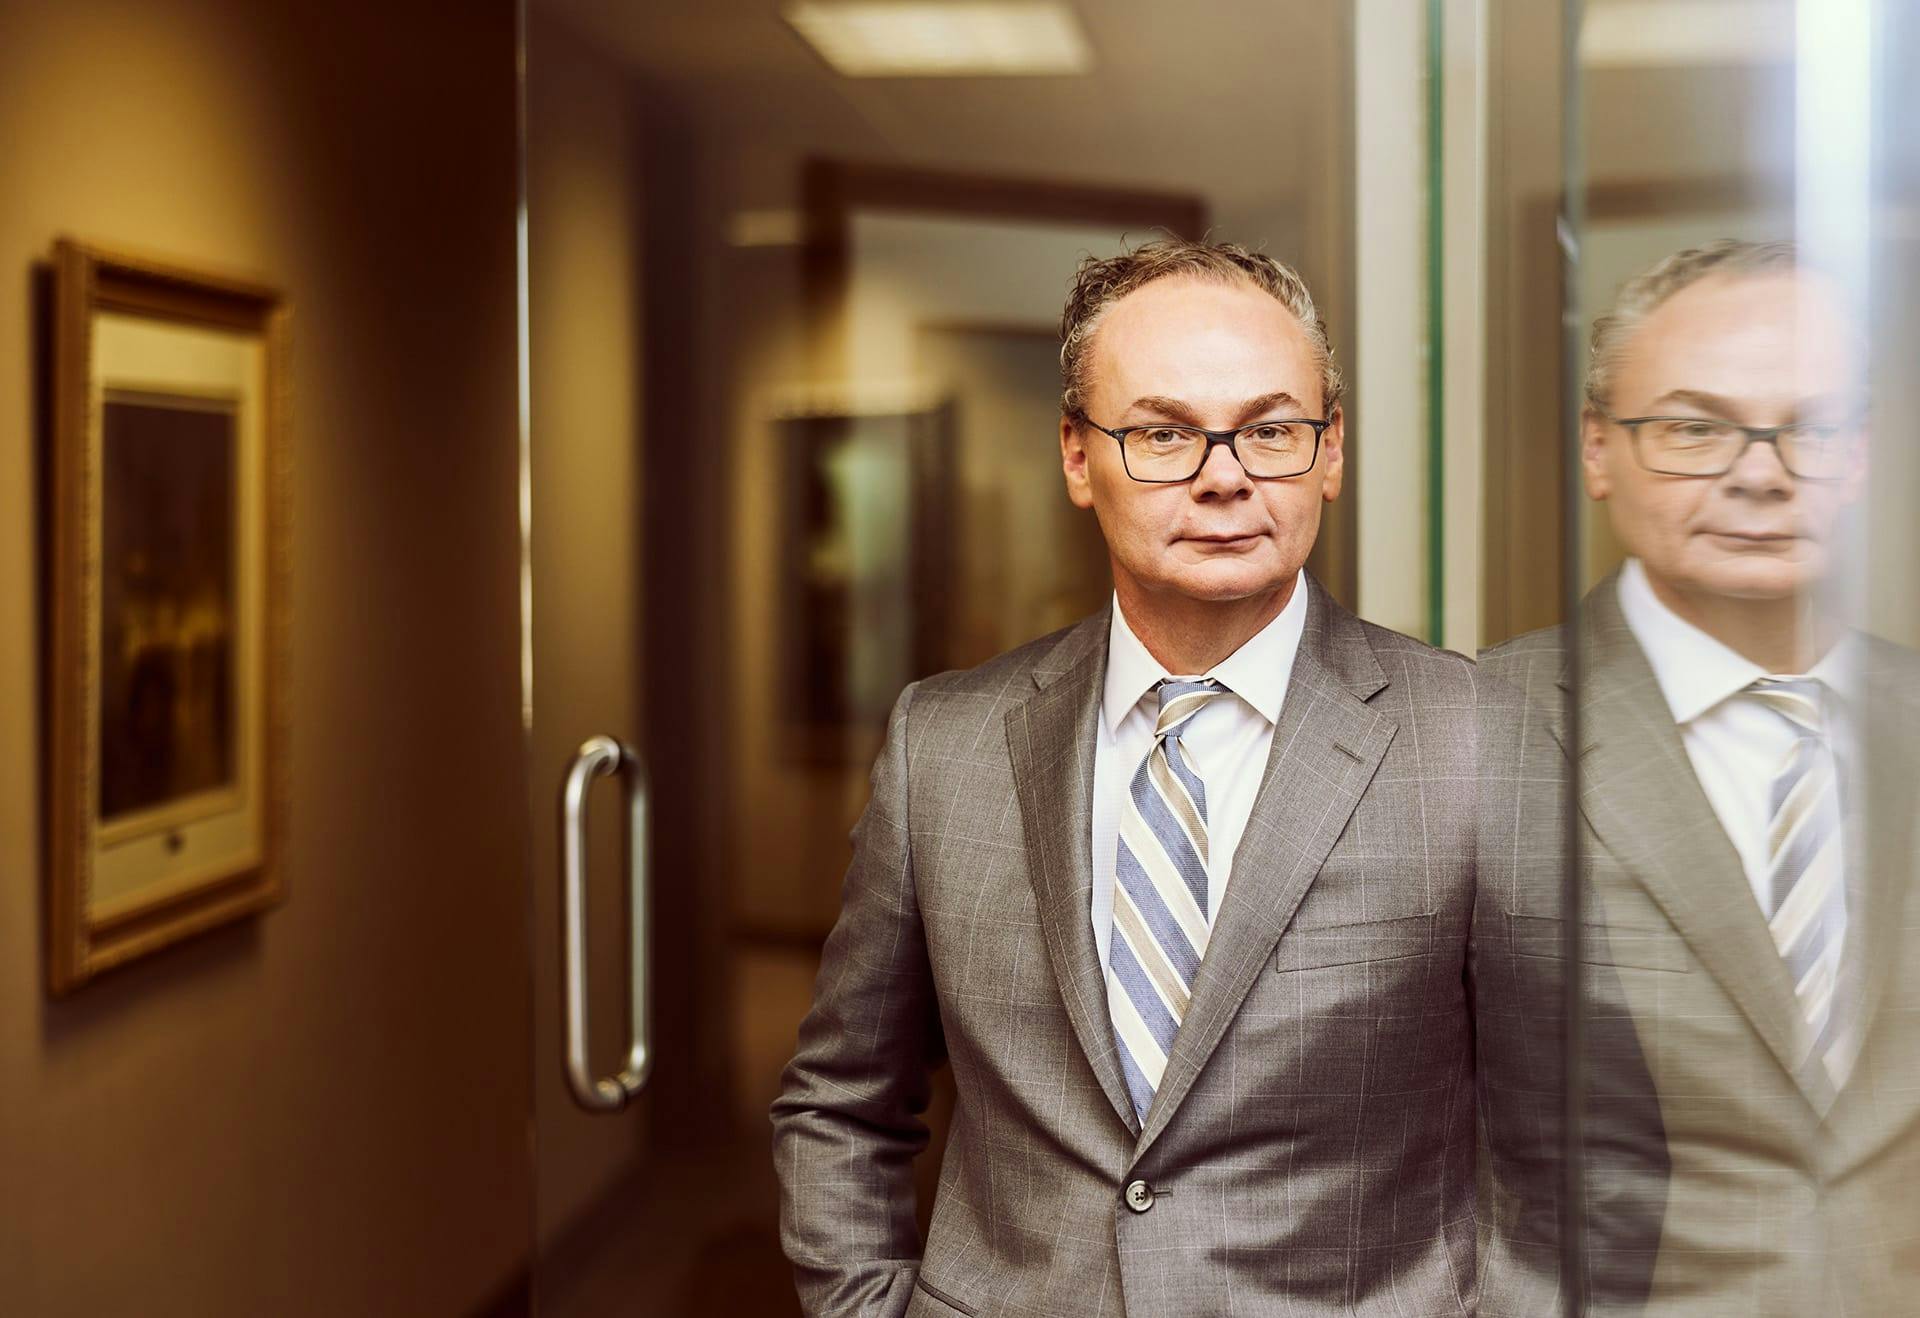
(1229, 739)
(1736, 746)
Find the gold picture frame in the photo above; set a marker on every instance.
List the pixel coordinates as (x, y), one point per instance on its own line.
(167, 736)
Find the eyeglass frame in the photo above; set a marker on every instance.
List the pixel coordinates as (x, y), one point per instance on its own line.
(1754, 434)
(1214, 437)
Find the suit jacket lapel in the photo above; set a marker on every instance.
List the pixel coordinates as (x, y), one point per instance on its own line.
(1639, 793)
(1052, 737)
(1326, 748)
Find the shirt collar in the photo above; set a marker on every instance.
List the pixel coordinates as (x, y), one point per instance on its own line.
(1257, 672)
(1839, 668)
(1697, 672)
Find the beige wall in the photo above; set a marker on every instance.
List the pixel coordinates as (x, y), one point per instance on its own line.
(324, 1110)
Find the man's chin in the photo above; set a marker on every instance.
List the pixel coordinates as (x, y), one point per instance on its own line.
(1757, 577)
(1224, 582)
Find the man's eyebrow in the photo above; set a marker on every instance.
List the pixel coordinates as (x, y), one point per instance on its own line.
(1175, 410)
(1728, 408)
(1695, 398)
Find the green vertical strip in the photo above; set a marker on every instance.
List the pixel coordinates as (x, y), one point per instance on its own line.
(1436, 340)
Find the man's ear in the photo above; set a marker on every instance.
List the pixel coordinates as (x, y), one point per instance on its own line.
(1333, 452)
(1593, 454)
(1073, 463)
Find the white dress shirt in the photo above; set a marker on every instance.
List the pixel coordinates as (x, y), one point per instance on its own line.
(1228, 739)
(1736, 746)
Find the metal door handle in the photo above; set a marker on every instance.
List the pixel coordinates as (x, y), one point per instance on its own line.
(600, 757)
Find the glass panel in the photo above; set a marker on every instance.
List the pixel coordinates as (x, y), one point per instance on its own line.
(1734, 833)
(583, 528)
(795, 443)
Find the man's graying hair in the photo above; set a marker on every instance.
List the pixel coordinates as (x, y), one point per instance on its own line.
(1642, 295)
(1102, 281)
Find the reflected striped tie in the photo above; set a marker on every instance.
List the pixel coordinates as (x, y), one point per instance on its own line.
(1160, 899)
(1808, 915)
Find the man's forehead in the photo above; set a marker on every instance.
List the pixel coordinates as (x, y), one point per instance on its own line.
(1778, 332)
(1784, 295)
(1226, 339)
(1190, 299)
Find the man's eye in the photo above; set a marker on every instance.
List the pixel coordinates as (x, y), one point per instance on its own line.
(1696, 430)
(1166, 438)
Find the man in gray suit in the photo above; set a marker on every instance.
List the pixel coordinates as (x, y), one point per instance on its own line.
(1183, 893)
(1746, 792)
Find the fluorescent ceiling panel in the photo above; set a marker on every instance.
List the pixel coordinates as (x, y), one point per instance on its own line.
(964, 38)
(1686, 34)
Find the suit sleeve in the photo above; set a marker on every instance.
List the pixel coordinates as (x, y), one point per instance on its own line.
(846, 1126)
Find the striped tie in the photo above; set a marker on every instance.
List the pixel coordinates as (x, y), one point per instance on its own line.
(1160, 900)
(1808, 915)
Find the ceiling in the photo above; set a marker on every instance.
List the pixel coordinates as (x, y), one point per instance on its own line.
(1245, 102)
(1238, 100)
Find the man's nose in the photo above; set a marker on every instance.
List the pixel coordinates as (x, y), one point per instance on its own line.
(1221, 473)
(1758, 471)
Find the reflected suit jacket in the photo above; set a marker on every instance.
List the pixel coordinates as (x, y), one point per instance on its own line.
(1310, 1149)
(1784, 1197)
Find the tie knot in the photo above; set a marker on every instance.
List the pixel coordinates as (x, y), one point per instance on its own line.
(1180, 700)
(1794, 698)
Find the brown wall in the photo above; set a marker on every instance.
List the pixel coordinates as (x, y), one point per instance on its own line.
(322, 1111)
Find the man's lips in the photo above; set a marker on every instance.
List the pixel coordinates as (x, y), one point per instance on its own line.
(1754, 537)
(1224, 539)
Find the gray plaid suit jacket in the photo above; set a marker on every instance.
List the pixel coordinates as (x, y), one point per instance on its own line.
(1782, 1197)
(1521, 986)
(1311, 1145)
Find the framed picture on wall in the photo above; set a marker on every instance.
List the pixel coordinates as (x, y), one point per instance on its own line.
(864, 548)
(167, 775)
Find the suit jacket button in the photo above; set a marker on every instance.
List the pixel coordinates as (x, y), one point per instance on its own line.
(1139, 1196)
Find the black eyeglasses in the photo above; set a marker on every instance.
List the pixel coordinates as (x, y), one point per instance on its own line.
(1161, 454)
(1708, 446)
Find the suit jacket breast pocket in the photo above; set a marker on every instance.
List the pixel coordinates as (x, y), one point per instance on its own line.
(1317, 947)
(1601, 943)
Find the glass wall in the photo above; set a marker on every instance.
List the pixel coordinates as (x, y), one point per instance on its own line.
(1697, 780)
(1624, 294)
(794, 359)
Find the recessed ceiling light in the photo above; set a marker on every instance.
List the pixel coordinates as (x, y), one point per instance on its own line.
(964, 38)
(1687, 33)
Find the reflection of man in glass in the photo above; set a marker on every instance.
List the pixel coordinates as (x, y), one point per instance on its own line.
(1183, 892)
(1734, 734)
